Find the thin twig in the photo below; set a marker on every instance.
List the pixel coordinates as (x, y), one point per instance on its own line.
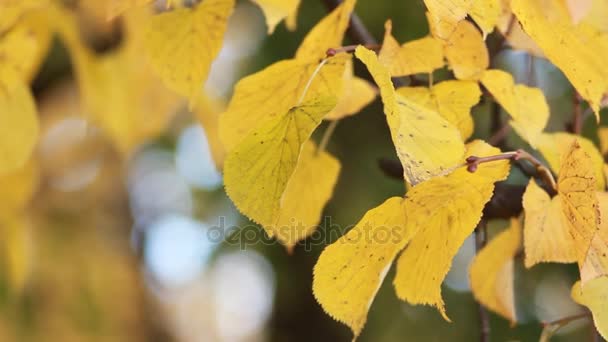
(577, 120)
(481, 238)
(350, 48)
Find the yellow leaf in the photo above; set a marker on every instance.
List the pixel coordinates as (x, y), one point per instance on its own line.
(273, 91)
(115, 8)
(596, 15)
(444, 15)
(123, 97)
(181, 44)
(492, 271)
(452, 99)
(602, 133)
(526, 105)
(349, 272)
(328, 33)
(18, 187)
(596, 261)
(515, 35)
(466, 52)
(309, 189)
(18, 125)
(567, 48)
(16, 247)
(357, 93)
(257, 170)
(277, 10)
(426, 143)
(594, 295)
(445, 211)
(418, 56)
(554, 146)
(11, 11)
(546, 234)
(486, 14)
(577, 192)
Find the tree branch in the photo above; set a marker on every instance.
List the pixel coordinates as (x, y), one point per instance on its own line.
(481, 238)
(356, 30)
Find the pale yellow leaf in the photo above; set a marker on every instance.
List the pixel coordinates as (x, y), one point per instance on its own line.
(309, 189)
(546, 234)
(328, 33)
(181, 44)
(444, 15)
(492, 272)
(418, 56)
(349, 272)
(274, 90)
(257, 170)
(426, 143)
(466, 52)
(577, 192)
(17, 187)
(277, 10)
(554, 146)
(527, 106)
(567, 48)
(486, 14)
(452, 99)
(11, 11)
(594, 295)
(15, 249)
(445, 211)
(356, 94)
(18, 125)
(596, 260)
(602, 133)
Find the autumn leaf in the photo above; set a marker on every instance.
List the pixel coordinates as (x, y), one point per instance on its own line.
(349, 272)
(577, 192)
(18, 187)
(567, 48)
(426, 143)
(274, 90)
(356, 94)
(466, 52)
(328, 33)
(527, 106)
(18, 125)
(486, 14)
(423, 55)
(554, 146)
(444, 15)
(277, 10)
(594, 295)
(445, 211)
(258, 169)
(546, 234)
(181, 44)
(492, 272)
(309, 189)
(16, 248)
(452, 99)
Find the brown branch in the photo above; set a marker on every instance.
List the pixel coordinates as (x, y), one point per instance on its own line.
(481, 238)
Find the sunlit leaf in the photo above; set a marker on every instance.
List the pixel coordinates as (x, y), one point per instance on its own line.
(423, 55)
(277, 10)
(181, 44)
(445, 211)
(546, 234)
(452, 99)
(594, 295)
(258, 169)
(426, 143)
(527, 106)
(349, 272)
(486, 14)
(466, 52)
(444, 15)
(492, 272)
(567, 48)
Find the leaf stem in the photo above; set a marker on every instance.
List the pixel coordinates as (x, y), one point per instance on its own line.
(312, 77)
(473, 162)
(550, 328)
(329, 131)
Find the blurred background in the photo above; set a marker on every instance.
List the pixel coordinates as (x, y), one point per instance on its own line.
(109, 246)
